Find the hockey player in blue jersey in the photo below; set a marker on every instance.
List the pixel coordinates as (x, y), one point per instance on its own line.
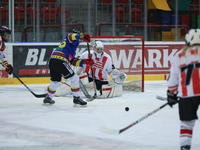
(59, 66)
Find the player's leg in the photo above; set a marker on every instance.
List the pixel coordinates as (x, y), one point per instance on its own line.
(65, 88)
(99, 84)
(188, 114)
(68, 73)
(55, 80)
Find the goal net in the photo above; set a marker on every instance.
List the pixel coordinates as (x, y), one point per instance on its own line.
(127, 54)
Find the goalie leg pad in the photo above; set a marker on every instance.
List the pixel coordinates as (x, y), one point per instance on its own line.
(84, 78)
(64, 88)
(109, 91)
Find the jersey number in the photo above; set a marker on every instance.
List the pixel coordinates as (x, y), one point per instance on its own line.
(62, 45)
(191, 72)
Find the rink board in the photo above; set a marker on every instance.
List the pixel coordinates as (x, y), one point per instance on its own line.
(30, 60)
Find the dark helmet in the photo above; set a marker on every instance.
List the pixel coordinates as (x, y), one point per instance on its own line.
(76, 31)
(4, 30)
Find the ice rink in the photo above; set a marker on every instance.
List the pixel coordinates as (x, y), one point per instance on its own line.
(27, 124)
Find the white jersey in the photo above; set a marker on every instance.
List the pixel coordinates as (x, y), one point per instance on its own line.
(102, 66)
(184, 74)
(2, 56)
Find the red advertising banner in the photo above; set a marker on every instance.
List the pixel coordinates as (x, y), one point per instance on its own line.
(157, 57)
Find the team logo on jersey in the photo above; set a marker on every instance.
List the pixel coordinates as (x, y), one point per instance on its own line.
(70, 57)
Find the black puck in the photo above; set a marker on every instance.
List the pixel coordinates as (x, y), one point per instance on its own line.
(126, 108)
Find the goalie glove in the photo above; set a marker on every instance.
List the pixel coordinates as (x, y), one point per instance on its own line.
(118, 77)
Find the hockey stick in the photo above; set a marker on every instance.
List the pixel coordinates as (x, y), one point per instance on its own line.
(95, 89)
(36, 95)
(161, 98)
(85, 92)
(115, 132)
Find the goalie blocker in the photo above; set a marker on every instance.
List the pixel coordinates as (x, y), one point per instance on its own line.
(108, 91)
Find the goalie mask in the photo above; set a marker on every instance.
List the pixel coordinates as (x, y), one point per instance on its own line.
(99, 49)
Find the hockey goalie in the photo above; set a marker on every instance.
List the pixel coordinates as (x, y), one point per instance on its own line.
(102, 68)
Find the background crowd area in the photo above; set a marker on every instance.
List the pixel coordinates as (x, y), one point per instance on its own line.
(50, 20)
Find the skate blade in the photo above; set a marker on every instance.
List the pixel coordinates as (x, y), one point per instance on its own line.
(101, 97)
(78, 105)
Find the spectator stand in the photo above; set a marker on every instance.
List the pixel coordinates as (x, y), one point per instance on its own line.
(49, 32)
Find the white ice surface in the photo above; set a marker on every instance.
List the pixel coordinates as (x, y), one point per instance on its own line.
(27, 124)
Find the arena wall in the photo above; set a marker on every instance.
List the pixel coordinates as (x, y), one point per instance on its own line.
(30, 61)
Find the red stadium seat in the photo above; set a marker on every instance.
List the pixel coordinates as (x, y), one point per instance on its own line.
(120, 14)
(48, 13)
(122, 1)
(51, 1)
(30, 13)
(107, 1)
(196, 2)
(36, 1)
(5, 1)
(4, 13)
(58, 13)
(19, 13)
(135, 14)
(138, 2)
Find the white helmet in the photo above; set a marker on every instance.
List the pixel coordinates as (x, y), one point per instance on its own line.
(99, 46)
(192, 37)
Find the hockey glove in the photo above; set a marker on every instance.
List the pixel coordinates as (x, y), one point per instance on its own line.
(88, 62)
(171, 98)
(9, 69)
(86, 37)
(118, 77)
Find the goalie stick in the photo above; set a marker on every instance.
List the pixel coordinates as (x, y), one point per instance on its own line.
(95, 89)
(116, 132)
(36, 95)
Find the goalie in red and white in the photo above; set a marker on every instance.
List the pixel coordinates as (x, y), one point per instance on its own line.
(102, 68)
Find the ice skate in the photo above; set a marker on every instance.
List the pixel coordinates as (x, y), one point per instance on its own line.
(79, 102)
(48, 100)
(185, 147)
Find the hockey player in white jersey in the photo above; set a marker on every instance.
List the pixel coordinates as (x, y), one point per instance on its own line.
(184, 85)
(102, 68)
(5, 33)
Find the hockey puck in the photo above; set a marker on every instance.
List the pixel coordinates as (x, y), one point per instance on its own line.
(126, 108)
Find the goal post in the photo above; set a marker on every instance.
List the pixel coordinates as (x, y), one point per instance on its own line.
(127, 54)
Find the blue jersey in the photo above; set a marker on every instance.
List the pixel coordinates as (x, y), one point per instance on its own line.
(66, 51)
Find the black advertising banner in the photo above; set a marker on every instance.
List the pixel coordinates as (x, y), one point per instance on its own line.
(32, 61)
